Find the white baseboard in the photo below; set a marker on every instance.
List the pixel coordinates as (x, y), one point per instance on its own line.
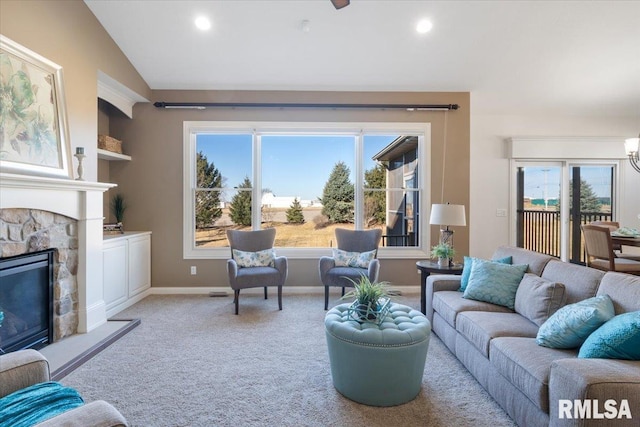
(128, 303)
(205, 290)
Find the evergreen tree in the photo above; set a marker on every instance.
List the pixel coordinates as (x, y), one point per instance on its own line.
(375, 201)
(207, 206)
(240, 206)
(294, 213)
(338, 195)
(589, 201)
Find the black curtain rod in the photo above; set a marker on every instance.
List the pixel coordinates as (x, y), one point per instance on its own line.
(203, 105)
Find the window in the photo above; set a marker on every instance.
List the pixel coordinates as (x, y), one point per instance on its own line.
(305, 180)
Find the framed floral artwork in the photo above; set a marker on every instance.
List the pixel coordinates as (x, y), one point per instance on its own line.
(33, 123)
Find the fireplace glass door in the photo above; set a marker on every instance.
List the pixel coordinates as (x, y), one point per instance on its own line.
(26, 299)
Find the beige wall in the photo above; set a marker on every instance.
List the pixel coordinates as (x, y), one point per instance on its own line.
(67, 33)
(152, 182)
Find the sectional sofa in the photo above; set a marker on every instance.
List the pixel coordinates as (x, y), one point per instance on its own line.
(536, 385)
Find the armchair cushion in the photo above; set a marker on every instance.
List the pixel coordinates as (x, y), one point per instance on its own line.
(353, 259)
(264, 258)
(36, 403)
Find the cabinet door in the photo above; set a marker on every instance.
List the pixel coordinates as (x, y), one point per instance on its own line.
(139, 264)
(114, 276)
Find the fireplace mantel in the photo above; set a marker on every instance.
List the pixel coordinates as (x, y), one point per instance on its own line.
(82, 201)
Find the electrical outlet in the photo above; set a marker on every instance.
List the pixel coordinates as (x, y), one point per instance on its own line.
(501, 212)
(194, 270)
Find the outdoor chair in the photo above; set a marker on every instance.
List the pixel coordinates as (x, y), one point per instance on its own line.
(355, 257)
(253, 263)
(599, 251)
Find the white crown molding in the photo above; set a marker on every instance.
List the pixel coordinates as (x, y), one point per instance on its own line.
(118, 94)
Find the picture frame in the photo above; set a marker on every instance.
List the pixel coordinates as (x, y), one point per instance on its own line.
(34, 138)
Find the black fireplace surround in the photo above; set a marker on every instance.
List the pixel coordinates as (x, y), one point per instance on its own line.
(26, 301)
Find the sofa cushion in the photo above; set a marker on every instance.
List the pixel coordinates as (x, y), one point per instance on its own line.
(619, 338)
(573, 323)
(494, 282)
(537, 299)
(449, 303)
(527, 365)
(466, 269)
(535, 260)
(623, 289)
(479, 328)
(579, 282)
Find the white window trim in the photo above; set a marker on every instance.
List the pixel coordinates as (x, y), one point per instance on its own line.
(190, 128)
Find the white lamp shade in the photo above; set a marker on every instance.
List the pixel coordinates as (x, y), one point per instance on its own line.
(631, 145)
(447, 215)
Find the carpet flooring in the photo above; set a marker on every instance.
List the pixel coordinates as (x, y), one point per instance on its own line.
(192, 362)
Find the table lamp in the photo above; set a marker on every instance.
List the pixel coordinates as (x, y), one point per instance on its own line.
(445, 216)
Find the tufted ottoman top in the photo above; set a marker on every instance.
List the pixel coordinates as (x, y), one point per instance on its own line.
(402, 326)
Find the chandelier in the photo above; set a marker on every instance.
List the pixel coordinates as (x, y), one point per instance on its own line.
(631, 147)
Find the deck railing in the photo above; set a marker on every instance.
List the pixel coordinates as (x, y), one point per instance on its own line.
(540, 231)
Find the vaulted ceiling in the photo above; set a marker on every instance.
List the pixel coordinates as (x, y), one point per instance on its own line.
(515, 57)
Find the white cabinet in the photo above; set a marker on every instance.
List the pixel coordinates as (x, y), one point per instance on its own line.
(126, 269)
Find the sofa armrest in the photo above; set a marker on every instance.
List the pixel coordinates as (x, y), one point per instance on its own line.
(95, 414)
(436, 283)
(596, 379)
(22, 369)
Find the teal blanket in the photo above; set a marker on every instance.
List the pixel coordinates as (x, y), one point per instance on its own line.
(37, 403)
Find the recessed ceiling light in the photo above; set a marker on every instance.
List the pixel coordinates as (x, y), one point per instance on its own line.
(203, 23)
(424, 26)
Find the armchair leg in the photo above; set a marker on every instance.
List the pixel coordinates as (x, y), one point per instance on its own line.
(343, 291)
(265, 292)
(326, 298)
(279, 297)
(236, 297)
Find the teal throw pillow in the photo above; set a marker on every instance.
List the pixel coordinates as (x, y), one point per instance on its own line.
(494, 282)
(570, 326)
(353, 259)
(265, 258)
(619, 338)
(466, 269)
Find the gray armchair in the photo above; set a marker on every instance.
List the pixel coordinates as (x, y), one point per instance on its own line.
(350, 241)
(24, 368)
(254, 276)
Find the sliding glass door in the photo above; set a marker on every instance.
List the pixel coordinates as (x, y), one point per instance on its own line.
(552, 201)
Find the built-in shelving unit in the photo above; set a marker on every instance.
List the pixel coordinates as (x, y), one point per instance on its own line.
(111, 156)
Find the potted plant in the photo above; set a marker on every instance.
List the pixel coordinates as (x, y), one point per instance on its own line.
(369, 298)
(444, 252)
(118, 207)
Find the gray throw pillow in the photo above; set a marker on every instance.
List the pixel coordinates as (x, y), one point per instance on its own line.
(537, 299)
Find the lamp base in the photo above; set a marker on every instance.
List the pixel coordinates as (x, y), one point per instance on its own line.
(446, 238)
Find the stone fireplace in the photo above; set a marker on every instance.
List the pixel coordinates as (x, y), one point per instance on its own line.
(25, 231)
(38, 213)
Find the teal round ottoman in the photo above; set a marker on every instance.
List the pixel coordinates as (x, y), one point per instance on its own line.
(378, 365)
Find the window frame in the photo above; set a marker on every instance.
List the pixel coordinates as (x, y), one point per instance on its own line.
(258, 129)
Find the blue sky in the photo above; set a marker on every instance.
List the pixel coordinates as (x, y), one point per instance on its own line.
(291, 165)
(599, 177)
